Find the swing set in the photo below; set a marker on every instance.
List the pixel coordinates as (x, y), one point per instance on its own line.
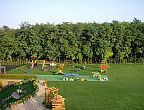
(35, 62)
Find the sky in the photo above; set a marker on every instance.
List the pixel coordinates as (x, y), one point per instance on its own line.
(14, 12)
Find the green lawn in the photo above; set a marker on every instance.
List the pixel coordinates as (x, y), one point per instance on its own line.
(123, 91)
(68, 68)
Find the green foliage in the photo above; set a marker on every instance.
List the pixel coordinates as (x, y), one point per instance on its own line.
(107, 55)
(29, 86)
(80, 42)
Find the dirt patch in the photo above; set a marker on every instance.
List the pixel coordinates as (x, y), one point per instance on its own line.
(6, 82)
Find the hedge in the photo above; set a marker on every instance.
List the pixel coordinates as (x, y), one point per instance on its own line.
(16, 76)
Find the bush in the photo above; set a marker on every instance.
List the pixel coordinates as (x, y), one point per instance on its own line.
(24, 97)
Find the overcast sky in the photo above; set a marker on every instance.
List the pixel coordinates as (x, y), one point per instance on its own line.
(14, 12)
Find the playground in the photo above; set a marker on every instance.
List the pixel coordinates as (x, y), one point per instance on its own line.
(61, 72)
(123, 89)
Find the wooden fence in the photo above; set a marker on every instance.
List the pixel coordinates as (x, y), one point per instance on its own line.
(14, 62)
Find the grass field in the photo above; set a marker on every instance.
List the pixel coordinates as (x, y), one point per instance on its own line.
(68, 68)
(123, 91)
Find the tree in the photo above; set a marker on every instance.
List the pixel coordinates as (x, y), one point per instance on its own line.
(80, 42)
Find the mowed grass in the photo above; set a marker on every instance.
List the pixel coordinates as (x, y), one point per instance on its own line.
(123, 91)
(68, 68)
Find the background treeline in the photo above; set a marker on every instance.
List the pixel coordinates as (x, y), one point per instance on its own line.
(80, 42)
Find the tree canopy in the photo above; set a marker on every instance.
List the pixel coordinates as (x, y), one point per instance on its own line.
(80, 42)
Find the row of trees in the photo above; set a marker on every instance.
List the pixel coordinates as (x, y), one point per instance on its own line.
(80, 42)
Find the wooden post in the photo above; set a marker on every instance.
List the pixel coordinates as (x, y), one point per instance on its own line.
(4, 70)
(0, 70)
(56, 94)
(48, 95)
(43, 65)
(45, 96)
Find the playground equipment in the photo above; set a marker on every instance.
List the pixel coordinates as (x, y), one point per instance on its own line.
(99, 76)
(96, 74)
(4, 69)
(53, 100)
(60, 69)
(103, 67)
(35, 62)
(41, 62)
(73, 77)
(102, 76)
(70, 77)
(52, 64)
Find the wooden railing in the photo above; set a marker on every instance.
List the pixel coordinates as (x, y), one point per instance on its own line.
(16, 62)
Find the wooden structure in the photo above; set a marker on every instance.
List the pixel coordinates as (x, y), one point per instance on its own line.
(52, 64)
(34, 62)
(55, 101)
(1, 84)
(60, 68)
(41, 62)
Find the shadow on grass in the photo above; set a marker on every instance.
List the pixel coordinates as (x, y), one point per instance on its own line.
(10, 67)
